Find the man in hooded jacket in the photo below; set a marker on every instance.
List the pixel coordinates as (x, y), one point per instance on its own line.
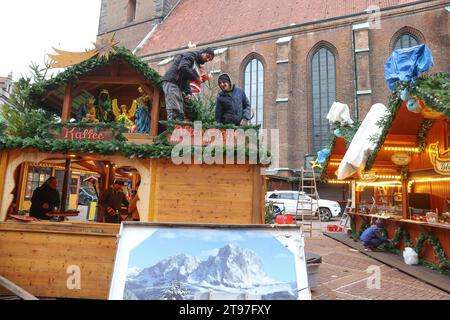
(232, 105)
(177, 79)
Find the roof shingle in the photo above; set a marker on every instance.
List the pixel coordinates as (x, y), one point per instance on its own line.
(200, 21)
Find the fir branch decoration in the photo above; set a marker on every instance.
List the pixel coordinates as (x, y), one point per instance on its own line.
(422, 134)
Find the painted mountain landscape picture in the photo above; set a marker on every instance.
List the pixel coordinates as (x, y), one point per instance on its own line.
(189, 264)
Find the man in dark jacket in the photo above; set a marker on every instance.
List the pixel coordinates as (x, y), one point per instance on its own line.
(177, 79)
(45, 198)
(232, 105)
(112, 201)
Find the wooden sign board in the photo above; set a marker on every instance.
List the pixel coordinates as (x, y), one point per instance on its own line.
(83, 134)
(205, 137)
(439, 160)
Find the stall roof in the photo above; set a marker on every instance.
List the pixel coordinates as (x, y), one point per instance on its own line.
(122, 69)
(402, 127)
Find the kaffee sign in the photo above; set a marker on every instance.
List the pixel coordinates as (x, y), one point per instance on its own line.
(83, 133)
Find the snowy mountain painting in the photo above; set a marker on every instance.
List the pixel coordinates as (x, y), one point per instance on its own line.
(210, 264)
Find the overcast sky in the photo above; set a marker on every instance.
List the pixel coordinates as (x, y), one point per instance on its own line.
(29, 28)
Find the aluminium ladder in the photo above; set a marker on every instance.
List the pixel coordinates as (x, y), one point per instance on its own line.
(308, 202)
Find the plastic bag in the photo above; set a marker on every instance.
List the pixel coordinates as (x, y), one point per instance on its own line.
(410, 256)
(339, 113)
(407, 64)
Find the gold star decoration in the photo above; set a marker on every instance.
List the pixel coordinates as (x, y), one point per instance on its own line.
(106, 45)
(315, 164)
(103, 47)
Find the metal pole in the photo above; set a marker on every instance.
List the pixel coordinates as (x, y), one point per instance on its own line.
(65, 185)
(355, 76)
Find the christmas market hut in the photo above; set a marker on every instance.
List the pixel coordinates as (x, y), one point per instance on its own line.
(112, 129)
(403, 178)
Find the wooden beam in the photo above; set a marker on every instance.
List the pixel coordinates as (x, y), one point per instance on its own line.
(155, 113)
(18, 291)
(400, 139)
(67, 105)
(256, 202)
(153, 209)
(89, 166)
(111, 80)
(101, 168)
(66, 183)
(3, 167)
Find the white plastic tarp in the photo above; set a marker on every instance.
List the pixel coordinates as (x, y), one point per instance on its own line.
(361, 146)
(340, 113)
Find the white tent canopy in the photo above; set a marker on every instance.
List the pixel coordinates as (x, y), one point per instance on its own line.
(361, 146)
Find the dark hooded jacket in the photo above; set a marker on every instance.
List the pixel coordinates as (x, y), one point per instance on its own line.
(185, 68)
(41, 195)
(233, 106)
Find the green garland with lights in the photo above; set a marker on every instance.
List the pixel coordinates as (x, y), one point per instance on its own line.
(160, 149)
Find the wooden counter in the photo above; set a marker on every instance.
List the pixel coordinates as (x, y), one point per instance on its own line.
(40, 257)
(414, 229)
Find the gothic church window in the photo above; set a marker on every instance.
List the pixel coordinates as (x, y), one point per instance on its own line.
(406, 40)
(131, 11)
(254, 89)
(323, 84)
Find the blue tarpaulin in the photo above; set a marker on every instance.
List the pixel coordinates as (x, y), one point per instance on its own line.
(407, 64)
(322, 155)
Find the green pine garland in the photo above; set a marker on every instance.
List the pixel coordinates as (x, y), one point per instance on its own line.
(422, 134)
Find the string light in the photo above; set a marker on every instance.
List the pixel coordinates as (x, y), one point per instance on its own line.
(405, 149)
(334, 181)
(379, 184)
(334, 163)
(388, 177)
(430, 179)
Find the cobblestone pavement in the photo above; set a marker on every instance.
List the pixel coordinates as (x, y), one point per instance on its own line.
(343, 275)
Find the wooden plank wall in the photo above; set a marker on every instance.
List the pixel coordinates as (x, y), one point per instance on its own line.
(207, 193)
(36, 257)
(439, 191)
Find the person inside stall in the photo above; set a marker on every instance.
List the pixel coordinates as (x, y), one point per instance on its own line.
(372, 237)
(45, 199)
(132, 208)
(112, 201)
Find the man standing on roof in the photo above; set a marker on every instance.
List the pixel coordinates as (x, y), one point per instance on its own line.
(232, 105)
(177, 79)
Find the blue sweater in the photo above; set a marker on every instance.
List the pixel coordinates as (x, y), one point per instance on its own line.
(371, 233)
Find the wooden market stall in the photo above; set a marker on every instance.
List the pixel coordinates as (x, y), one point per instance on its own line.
(41, 256)
(406, 178)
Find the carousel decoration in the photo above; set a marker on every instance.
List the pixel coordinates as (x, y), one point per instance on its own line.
(440, 161)
(123, 115)
(142, 105)
(91, 117)
(103, 47)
